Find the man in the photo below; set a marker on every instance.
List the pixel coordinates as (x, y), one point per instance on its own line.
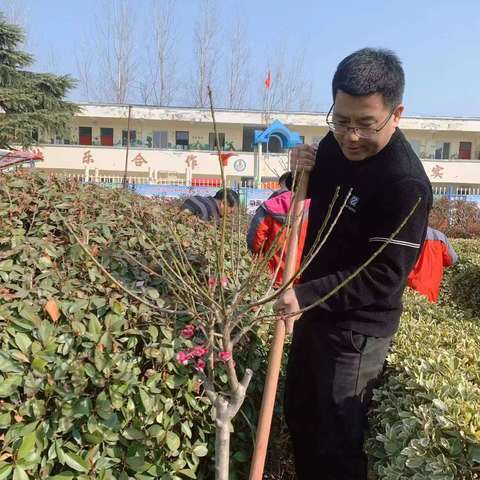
(268, 229)
(212, 208)
(339, 347)
(437, 253)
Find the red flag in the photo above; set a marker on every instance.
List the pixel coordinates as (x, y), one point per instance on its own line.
(268, 80)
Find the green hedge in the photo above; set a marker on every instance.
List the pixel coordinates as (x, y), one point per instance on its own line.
(426, 416)
(98, 393)
(461, 287)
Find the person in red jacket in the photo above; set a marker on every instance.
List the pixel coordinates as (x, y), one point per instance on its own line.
(437, 253)
(265, 228)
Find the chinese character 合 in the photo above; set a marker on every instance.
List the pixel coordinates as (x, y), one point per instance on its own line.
(437, 171)
(87, 157)
(139, 160)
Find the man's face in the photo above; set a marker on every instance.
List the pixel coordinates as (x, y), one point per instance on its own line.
(367, 111)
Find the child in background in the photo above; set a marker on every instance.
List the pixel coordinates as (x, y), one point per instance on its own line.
(268, 221)
(437, 253)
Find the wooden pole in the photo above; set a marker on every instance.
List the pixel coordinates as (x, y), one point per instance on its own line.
(276, 349)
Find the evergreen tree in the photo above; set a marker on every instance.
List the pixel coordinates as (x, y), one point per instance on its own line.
(31, 102)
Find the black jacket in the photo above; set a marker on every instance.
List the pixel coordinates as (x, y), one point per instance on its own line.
(204, 207)
(385, 188)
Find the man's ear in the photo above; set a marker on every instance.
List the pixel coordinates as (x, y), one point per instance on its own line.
(397, 114)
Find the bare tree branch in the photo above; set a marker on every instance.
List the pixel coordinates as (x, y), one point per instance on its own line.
(206, 54)
(17, 13)
(116, 51)
(290, 89)
(86, 73)
(238, 68)
(159, 84)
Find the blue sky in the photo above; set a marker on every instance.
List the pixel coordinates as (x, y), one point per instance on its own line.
(437, 40)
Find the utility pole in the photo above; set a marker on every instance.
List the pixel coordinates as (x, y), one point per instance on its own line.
(128, 148)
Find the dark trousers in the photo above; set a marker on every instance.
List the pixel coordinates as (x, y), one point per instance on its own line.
(330, 377)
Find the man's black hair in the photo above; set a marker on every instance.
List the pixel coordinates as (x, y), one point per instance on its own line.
(369, 71)
(232, 196)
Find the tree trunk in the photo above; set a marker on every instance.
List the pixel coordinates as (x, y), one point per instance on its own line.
(225, 411)
(222, 450)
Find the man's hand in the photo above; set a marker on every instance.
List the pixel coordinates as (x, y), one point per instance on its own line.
(287, 303)
(303, 157)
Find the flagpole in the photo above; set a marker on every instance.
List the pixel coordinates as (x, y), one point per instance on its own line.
(267, 97)
(268, 82)
(269, 103)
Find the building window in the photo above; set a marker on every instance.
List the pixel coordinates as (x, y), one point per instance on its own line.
(106, 137)
(442, 150)
(160, 139)
(181, 140)
(302, 139)
(212, 141)
(248, 136)
(133, 137)
(465, 151)
(85, 135)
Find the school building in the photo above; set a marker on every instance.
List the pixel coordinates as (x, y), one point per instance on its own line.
(174, 144)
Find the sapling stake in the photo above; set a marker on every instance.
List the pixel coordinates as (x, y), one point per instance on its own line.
(276, 350)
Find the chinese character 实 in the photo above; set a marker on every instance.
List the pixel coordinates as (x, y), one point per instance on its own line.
(437, 171)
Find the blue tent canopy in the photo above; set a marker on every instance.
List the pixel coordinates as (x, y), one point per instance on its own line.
(288, 138)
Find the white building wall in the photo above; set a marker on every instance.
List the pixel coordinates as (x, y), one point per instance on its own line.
(164, 162)
(174, 164)
(426, 133)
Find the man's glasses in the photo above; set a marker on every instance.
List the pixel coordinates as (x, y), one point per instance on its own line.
(361, 132)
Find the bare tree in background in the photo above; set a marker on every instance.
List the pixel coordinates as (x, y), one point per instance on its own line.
(14, 11)
(159, 84)
(108, 74)
(238, 67)
(291, 89)
(297, 86)
(86, 74)
(116, 60)
(206, 53)
(17, 13)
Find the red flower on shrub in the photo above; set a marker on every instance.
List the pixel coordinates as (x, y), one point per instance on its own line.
(183, 358)
(188, 331)
(225, 356)
(200, 364)
(198, 351)
(213, 282)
